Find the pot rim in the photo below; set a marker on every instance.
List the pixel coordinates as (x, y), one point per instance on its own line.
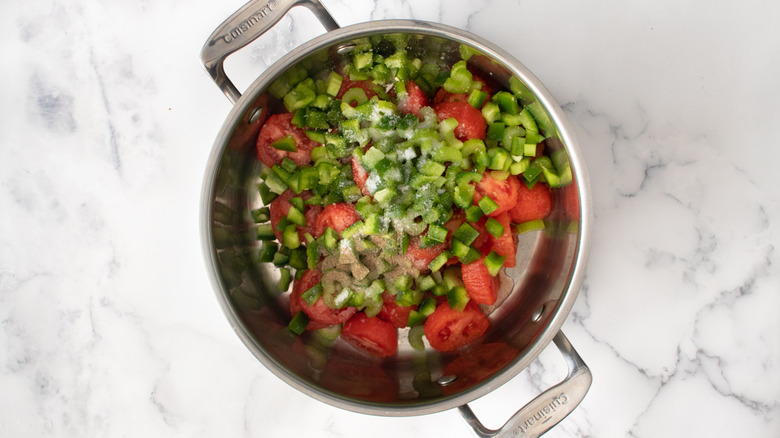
(583, 240)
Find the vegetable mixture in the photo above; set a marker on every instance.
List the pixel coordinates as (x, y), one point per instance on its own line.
(395, 189)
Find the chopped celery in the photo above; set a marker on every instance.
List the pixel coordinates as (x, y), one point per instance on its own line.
(464, 178)
(333, 83)
(432, 168)
(529, 149)
(301, 95)
(447, 154)
(354, 95)
(459, 80)
(491, 112)
(466, 52)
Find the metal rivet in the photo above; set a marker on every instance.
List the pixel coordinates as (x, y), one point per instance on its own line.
(446, 380)
(538, 314)
(346, 48)
(255, 115)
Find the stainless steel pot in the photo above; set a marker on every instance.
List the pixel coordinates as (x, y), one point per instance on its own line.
(550, 269)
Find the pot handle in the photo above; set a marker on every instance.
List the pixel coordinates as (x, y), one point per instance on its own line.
(547, 409)
(246, 25)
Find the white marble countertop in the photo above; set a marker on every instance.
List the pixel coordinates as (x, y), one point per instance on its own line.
(108, 323)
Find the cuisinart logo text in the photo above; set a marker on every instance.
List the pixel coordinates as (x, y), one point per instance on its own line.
(249, 22)
(543, 415)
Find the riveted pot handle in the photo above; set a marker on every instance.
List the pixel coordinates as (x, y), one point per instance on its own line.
(549, 408)
(246, 25)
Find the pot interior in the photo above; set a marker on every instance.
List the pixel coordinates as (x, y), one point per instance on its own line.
(535, 298)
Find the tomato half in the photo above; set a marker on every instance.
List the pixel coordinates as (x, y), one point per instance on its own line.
(414, 101)
(504, 193)
(447, 329)
(394, 313)
(471, 124)
(378, 338)
(320, 315)
(480, 285)
(280, 206)
(505, 245)
(336, 216)
(532, 204)
(276, 127)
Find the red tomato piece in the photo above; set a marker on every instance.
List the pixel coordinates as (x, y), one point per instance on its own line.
(480, 285)
(320, 315)
(505, 245)
(503, 192)
(393, 312)
(280, 206)
(421, 257)
(336, 216)
(276, 127)
(414, 101)
(445, 96)
(447, 329)
(471, 124)
(378, 338)
(532, 204)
